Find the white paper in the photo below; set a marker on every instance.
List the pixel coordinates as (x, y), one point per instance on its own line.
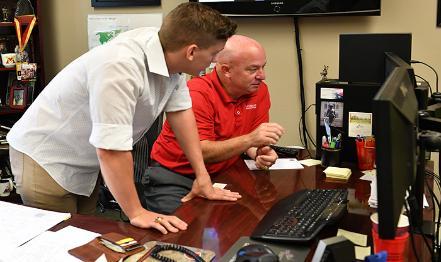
(52, 246)
(104, 27)
(219, 185)
(281, 163)
(331, 93)
(369, 175)
(102, 258)
(362, 252)
(19, 224)
(373, 200)
(360, 124)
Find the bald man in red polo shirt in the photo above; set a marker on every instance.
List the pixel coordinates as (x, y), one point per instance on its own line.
(231, 107)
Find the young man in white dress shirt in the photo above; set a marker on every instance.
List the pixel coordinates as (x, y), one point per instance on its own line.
(91, 114)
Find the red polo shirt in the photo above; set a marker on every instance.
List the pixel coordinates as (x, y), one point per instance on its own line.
(218, 118)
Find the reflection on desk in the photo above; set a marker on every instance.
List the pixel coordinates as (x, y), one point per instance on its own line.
(217, 225)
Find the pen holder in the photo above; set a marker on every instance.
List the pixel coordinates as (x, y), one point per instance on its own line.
(330, 157)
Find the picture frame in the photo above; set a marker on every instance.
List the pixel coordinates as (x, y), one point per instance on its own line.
(121, 3)
(17, 97)
(12, 80)
(26, 71)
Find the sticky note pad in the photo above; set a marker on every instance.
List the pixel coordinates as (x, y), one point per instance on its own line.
(337, 172)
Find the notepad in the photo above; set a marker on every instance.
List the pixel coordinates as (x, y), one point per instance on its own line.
(337, 173)
(310, 162)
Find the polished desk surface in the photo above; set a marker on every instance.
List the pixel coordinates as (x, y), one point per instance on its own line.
(217, 225)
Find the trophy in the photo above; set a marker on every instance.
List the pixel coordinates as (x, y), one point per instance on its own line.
(5, 14)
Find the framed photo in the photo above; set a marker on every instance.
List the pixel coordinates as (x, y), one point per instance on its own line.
(115, 3)
(26, 71)
(332, 113)
(12, 80)
(17, 97)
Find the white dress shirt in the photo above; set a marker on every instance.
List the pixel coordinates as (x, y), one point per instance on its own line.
(106, 98)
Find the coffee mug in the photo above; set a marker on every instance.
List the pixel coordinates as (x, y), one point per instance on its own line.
(6, 186)
(8, 60)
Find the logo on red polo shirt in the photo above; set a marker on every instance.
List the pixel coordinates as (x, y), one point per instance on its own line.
(249, 107)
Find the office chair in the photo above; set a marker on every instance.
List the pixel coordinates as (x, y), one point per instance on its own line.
(141, 155)
(141, 160)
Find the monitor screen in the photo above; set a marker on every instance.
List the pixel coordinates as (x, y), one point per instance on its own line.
(294, 8)
(361, 56)
(395, 114)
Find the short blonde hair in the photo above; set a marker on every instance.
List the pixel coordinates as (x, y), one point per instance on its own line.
(194, 23)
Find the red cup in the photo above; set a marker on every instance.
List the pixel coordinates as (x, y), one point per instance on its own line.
(395, 248)
(365, 153)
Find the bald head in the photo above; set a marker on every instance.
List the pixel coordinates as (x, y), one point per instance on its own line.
(237, 47)
(240, 66)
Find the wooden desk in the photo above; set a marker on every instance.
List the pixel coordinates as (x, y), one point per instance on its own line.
(217, 225)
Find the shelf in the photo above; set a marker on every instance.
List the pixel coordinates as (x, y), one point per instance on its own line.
(5, 110)
(35, 52)
(11, 24)
(7, 69)
(7, 24)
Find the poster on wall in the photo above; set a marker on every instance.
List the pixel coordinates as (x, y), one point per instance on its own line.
(104, 27)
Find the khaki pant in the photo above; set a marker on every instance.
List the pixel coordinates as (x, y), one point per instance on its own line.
(38, 189)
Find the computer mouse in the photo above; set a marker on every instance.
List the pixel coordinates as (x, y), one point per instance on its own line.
(256, 253)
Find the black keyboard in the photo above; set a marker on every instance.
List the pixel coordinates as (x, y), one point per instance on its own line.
(300, 216)
(283, 151)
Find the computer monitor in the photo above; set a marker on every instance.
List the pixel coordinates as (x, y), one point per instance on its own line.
(395, 113)
(392, 61)
(361, 56)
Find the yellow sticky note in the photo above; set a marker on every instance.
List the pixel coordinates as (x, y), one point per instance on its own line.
(356, 238)
(310, 162)
(362, 252)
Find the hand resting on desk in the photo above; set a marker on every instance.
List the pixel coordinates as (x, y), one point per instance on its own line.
(160, 222)
(203, 187)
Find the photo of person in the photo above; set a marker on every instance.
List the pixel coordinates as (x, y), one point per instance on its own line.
(17, 97)
(332, 113)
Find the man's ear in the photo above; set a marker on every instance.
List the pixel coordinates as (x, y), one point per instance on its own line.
(190, 51)
(225, 69)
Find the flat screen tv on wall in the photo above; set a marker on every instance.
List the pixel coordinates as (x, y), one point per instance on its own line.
(294, 7)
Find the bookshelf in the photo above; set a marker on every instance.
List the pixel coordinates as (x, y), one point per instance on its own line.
(9, 113)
